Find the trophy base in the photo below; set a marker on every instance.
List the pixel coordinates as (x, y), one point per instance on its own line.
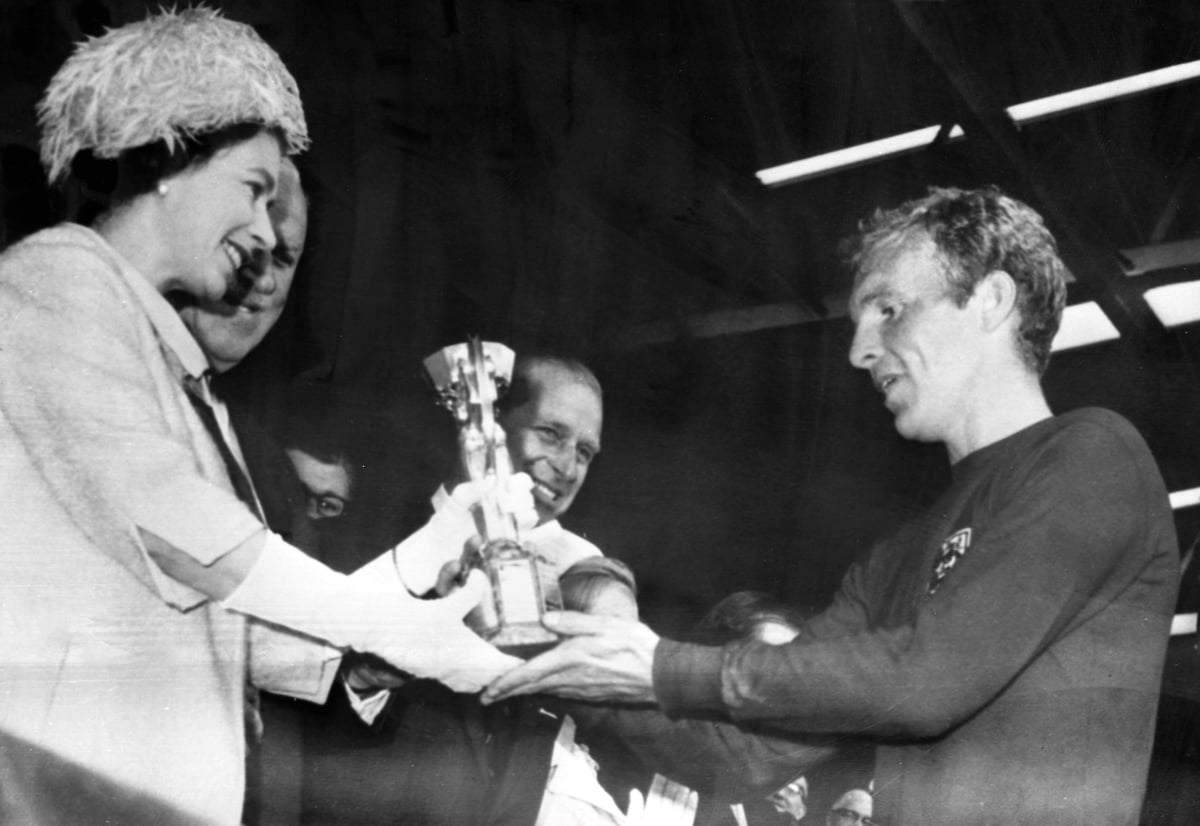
(523, 639)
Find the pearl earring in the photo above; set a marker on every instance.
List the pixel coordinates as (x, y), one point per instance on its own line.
(163, 189)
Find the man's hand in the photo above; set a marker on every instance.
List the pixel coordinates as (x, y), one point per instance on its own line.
(605, 659)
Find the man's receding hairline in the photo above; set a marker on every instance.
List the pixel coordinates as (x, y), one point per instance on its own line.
(537, 377)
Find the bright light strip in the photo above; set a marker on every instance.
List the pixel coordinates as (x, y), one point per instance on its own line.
(1185, 498)
(1182, 624)
(1034, 110)
(852, 156)
(1083, 324)
(1124, 87)
(1175, 304)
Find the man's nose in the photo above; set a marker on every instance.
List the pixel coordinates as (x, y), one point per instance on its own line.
(864, 349)
(261, 273)
(565, 463)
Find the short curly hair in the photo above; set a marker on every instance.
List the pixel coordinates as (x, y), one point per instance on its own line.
(975, 232)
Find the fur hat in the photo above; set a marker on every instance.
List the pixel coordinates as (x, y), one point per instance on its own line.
(174, 74)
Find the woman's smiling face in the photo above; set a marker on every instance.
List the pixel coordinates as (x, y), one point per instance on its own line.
(216, 216)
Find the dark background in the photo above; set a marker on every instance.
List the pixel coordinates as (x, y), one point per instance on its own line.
(579, 176)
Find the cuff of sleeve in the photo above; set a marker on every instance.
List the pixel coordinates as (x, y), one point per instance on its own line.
(173, 592)
(193, 515)
(416, 560)
(291, 664)
(687, 678)
(419, 558)
(288, 587)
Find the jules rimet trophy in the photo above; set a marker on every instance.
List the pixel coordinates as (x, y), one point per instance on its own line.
(470, 379)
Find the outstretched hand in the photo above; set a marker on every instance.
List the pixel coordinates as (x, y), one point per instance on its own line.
(603, 659)
(424, 637)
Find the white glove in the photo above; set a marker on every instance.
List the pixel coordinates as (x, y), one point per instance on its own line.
(420, 557)
(667, 804)
(372, 611)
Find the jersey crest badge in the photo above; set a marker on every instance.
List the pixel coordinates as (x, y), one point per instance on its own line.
(952, 550)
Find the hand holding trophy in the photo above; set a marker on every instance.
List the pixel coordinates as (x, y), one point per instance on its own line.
(470, 378)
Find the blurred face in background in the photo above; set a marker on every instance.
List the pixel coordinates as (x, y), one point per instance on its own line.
(854, 808)
(792, 799)
(328, 485)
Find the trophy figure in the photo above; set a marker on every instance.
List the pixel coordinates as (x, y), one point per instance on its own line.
(469, 379)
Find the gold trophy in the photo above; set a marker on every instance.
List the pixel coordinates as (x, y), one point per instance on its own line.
(469, 379)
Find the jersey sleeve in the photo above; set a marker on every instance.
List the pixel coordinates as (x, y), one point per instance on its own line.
(1049, 551)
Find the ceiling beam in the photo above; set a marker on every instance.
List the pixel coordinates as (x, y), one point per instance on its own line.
(720, 323)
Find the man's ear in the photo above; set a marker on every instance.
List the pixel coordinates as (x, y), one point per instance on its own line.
(996, 297)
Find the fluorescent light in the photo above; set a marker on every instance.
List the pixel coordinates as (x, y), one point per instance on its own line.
(853, 156)
(1020, 113)
(1182, 624)
(1083, 324)
(1175, 304)
(1103, 92)
(1185, 498)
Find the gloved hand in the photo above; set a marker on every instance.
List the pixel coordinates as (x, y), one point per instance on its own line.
(667, 804)
(425, 637)
(420, 557)
(372, 611)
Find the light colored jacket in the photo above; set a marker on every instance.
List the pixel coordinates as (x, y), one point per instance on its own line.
(104, 660)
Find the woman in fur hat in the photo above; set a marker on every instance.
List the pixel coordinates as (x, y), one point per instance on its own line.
(132, 552)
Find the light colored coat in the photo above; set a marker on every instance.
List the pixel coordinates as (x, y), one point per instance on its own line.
(104, 660)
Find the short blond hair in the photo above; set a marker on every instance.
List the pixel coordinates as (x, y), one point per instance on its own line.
(977, 231)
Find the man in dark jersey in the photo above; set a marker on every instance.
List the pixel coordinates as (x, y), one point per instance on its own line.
(1004, 649)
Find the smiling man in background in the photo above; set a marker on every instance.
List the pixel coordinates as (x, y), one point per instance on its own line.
(552, 417)
(431, 756)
